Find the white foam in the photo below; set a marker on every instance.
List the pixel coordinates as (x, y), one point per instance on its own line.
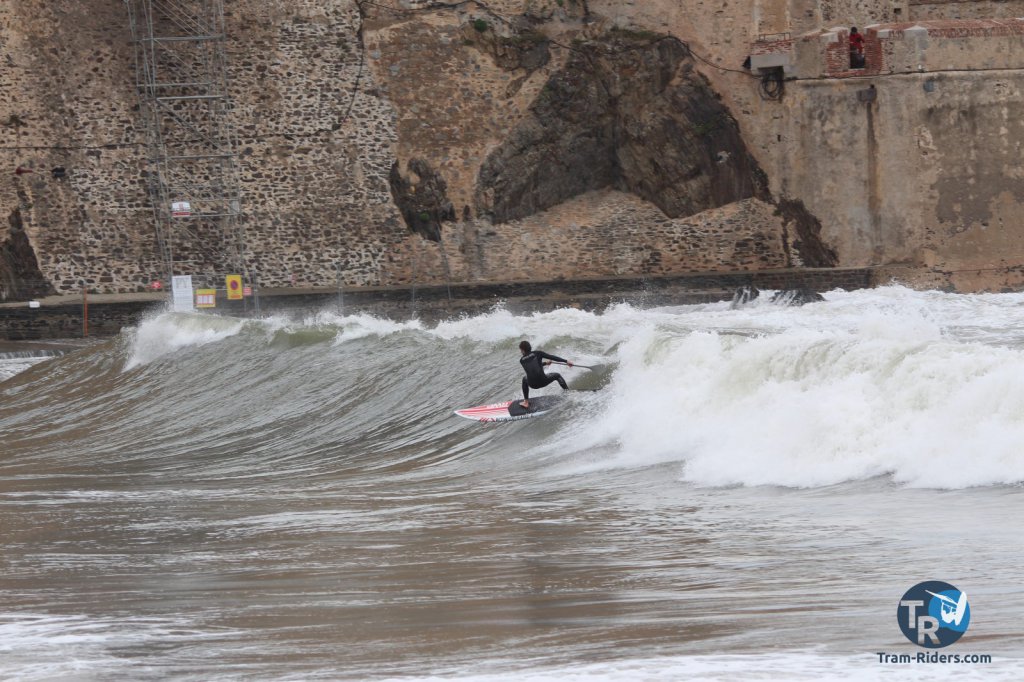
(873, 383)
(11, 366)
(361, 326)
(39, 646)
(500, 325)
(346, 327)
(167, 333)
(786, 666)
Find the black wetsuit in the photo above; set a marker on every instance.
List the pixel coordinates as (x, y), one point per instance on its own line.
(535, 376)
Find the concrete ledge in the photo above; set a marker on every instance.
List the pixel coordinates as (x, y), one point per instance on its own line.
(62, 316)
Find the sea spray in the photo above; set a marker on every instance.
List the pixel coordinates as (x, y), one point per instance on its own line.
(169, 332)
(807, 407)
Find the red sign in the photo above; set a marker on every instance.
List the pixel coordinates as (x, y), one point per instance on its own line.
(156, 286)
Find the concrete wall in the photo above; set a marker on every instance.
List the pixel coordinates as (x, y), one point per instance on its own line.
(908, 166)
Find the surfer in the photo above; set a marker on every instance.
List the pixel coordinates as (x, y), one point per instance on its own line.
(534, 368)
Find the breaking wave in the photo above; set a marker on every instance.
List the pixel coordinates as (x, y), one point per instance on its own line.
(924, 388)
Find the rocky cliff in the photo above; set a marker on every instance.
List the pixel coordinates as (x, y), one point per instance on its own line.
(628, 111)
(402, 141)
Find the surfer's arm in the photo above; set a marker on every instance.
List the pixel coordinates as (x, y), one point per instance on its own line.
(553, 358)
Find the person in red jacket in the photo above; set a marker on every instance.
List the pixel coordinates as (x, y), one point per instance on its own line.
(856, 49)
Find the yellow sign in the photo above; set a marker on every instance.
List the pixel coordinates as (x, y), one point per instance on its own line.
(206, 298)
(233, 283)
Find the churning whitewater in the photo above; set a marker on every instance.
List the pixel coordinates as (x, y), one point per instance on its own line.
(294, 497)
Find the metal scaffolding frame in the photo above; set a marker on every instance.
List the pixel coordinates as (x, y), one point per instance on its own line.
(182, 80)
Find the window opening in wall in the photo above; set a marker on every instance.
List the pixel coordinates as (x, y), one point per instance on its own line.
(856, 49)
(772, 83)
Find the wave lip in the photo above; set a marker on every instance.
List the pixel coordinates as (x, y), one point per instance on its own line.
(167, 333)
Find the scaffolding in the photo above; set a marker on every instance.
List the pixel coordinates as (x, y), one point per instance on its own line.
(182, 80)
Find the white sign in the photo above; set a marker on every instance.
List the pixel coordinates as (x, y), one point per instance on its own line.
(181, 209)
(33, 304)
(181, 288)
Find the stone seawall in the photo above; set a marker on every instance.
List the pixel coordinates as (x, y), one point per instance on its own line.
(64, 318)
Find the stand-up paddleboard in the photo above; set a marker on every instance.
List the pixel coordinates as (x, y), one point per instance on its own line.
(511, 410)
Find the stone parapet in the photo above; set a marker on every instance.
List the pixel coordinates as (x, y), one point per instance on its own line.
(913, 47)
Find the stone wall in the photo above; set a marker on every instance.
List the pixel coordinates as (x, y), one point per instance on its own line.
(66, 100)
(860, 13)
(315, 139)
(331, 105)
(890, 172)
(315, 136)
(963, 9)
(800, 16)
(363, 133)
(906, 166)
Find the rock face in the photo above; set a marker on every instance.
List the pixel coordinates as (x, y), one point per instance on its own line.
(744, 295)
(393, 141)
(796, 297)
(627, 111)
(811, 249)
(19, 269)
(422, 198)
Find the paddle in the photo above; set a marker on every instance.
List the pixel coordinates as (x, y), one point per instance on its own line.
(554, 362)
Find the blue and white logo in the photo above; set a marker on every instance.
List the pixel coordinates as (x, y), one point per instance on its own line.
(933, 614)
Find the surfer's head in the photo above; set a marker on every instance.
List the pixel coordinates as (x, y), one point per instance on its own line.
(525, 347)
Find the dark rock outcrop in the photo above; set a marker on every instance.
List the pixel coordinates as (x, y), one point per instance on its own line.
(744, 295)
(422, 198)
(814, 252)
(796, 296)
(525, 49)
(628, 111)
(20, 277)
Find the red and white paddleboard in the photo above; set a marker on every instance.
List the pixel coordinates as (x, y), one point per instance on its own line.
(511, 410)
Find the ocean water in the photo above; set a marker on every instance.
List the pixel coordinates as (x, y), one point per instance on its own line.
(747, 496)
(15, 359)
